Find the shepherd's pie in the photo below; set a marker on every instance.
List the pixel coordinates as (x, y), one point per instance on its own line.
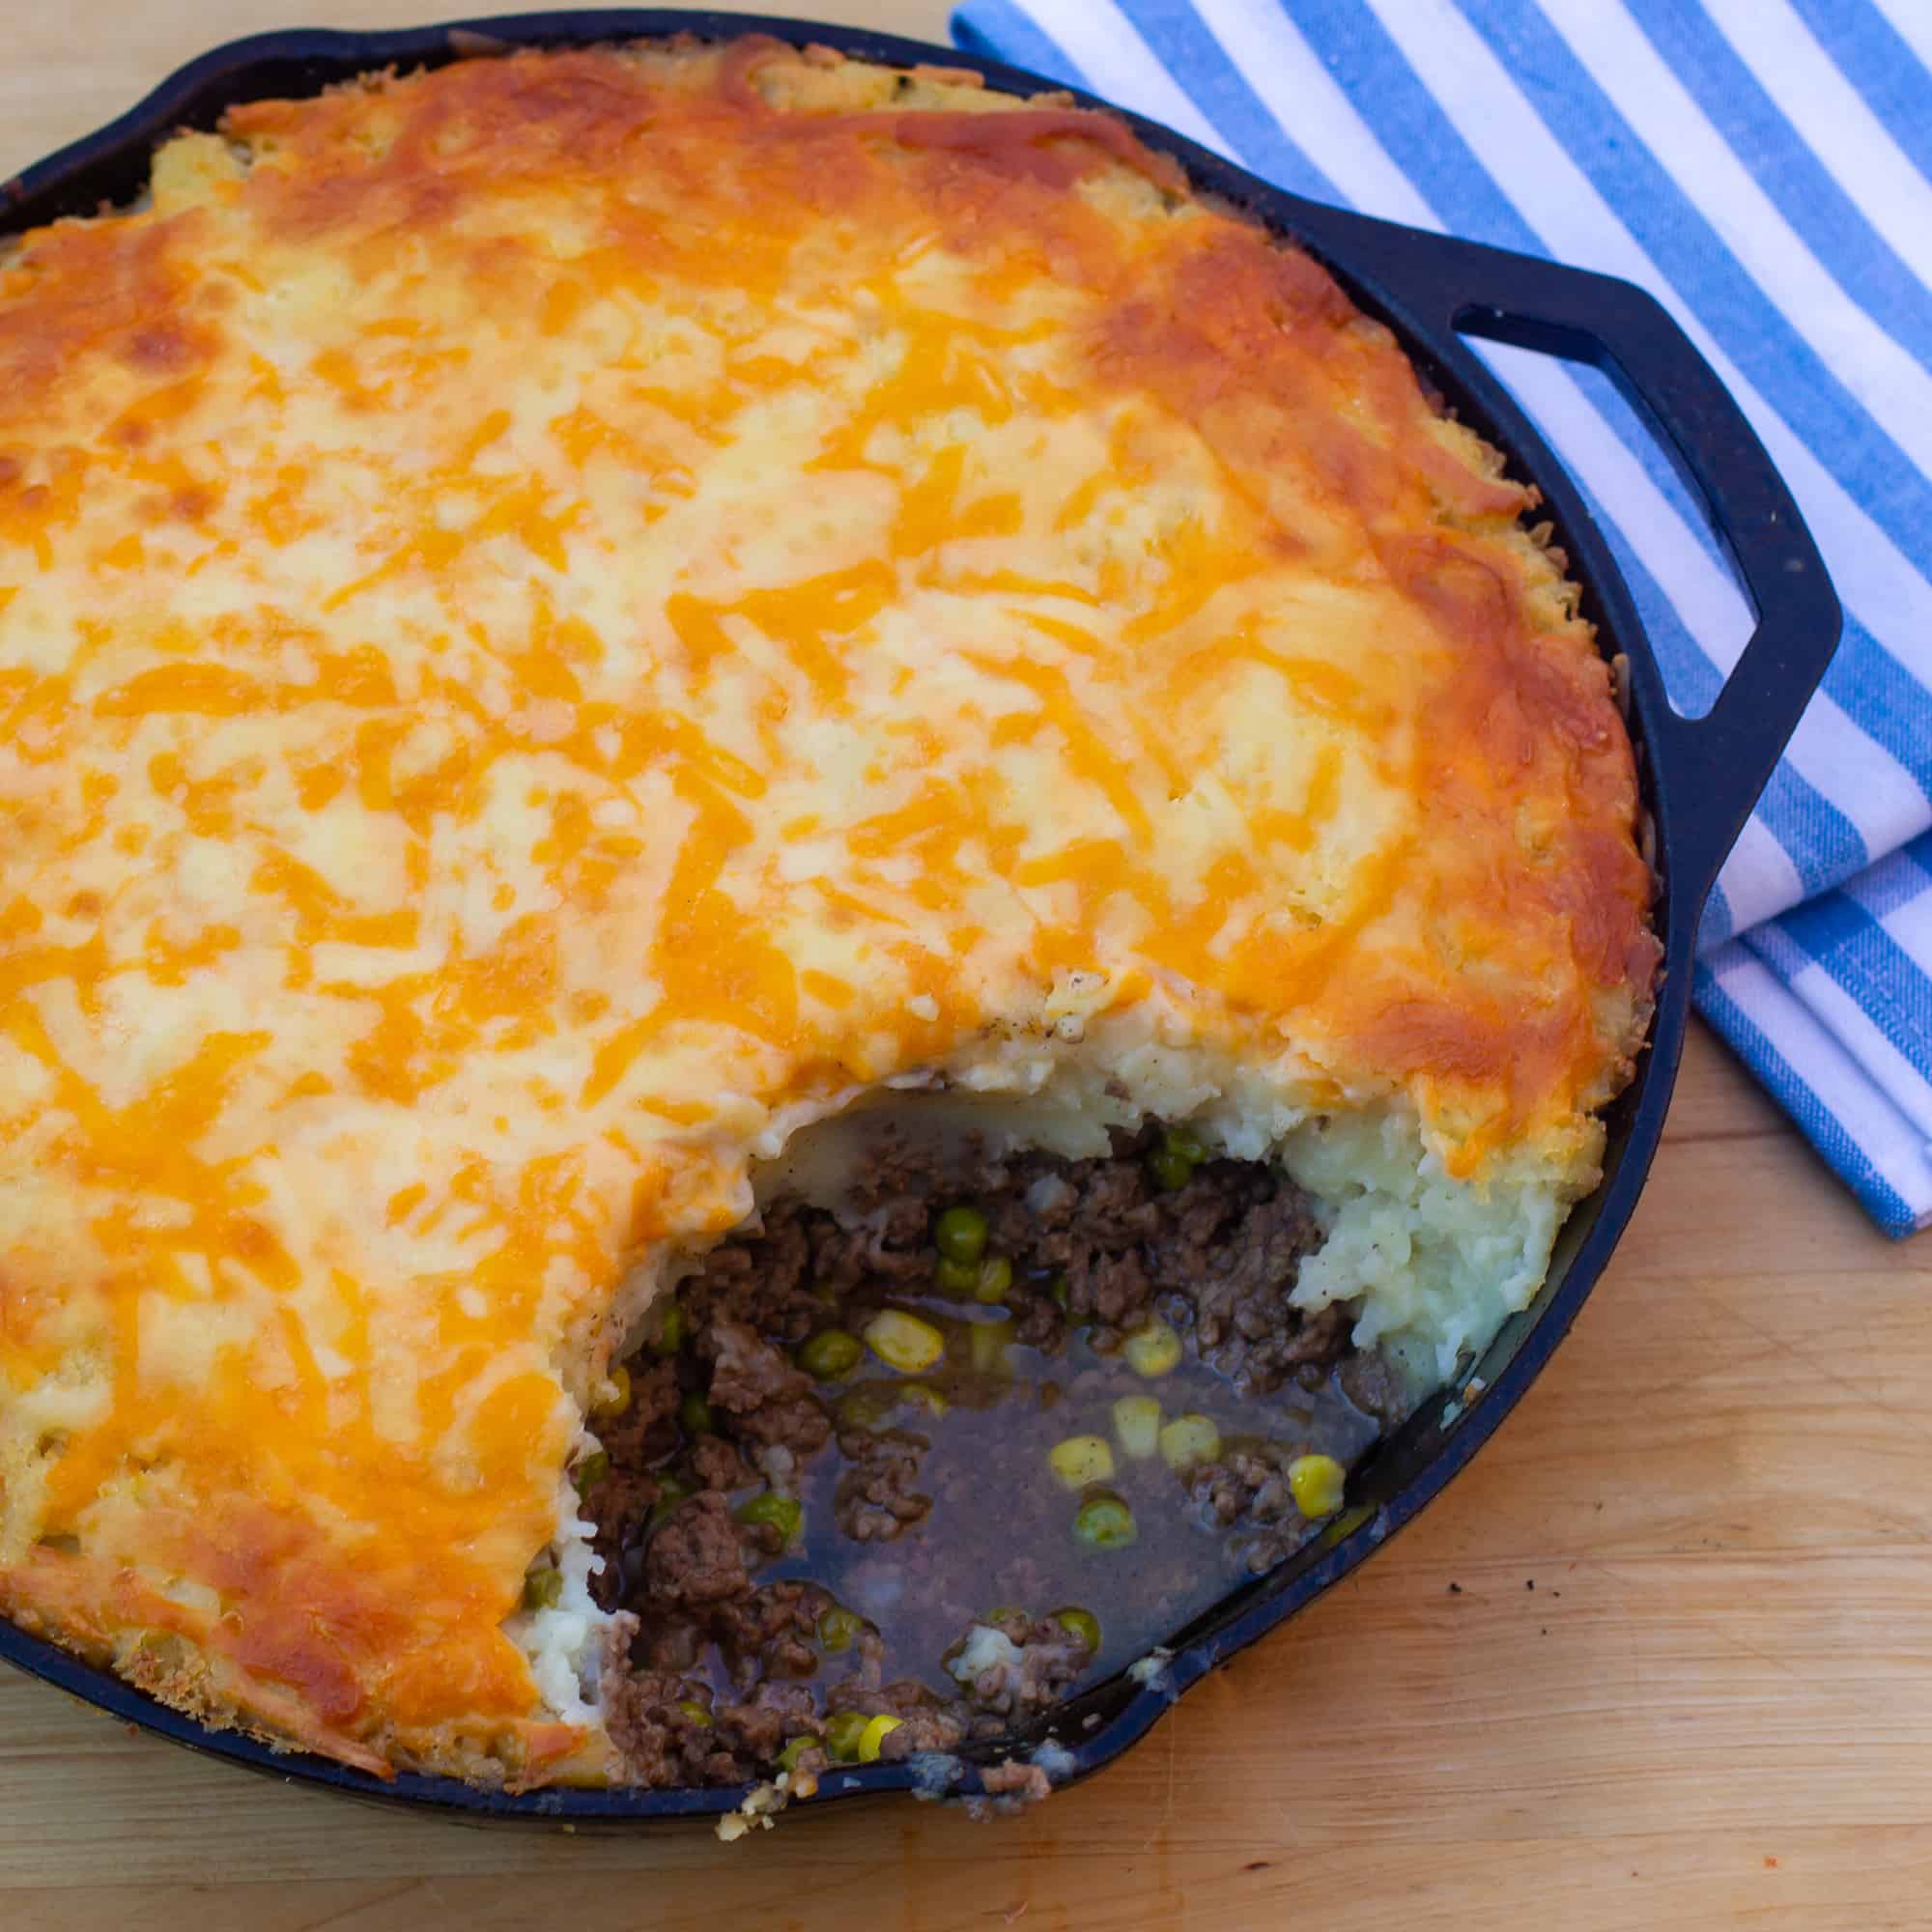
(567, 617)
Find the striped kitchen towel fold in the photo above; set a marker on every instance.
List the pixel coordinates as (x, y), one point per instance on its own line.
(1765, 168)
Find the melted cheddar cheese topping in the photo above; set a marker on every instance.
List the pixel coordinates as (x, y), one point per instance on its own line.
(562, 614)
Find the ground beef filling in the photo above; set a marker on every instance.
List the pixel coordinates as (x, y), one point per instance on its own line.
(729, 1673)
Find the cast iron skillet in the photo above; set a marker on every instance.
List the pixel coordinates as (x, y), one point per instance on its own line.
(1699, 777)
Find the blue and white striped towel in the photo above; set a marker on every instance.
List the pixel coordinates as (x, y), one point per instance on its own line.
(1765, 168)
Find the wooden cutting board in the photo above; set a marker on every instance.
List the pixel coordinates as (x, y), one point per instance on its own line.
(1663, 1658)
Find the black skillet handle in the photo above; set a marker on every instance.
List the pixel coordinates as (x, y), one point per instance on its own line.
(1444, 288)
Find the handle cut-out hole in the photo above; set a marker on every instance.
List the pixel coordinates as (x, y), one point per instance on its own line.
(1686, 589)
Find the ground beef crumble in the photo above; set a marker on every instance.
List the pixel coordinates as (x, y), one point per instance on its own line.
(761, 1397)
(1006, 1693)
(726, 1668)
(876, 1498)
(696, 1557)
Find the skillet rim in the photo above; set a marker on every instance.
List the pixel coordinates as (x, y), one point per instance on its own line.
(1398, 275)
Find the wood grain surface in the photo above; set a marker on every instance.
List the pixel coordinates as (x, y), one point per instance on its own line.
(1663, 1658)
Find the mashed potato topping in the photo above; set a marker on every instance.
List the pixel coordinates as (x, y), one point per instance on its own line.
(564, 618)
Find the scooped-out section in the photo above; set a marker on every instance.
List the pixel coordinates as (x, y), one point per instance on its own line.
(951, 1432)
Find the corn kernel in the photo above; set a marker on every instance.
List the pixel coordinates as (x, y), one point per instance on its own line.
(1152, 1351)
(614, 1397)
(1081, 1460)
(1189, 1439)
(874, 1735)
(903, 1341)
(1081, 1624)
(1137, 1425)
(1315, 1483)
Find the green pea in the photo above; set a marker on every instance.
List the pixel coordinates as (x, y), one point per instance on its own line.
(671, 1491)
(840, 1629)
(1186, 1143)
(693, 1413)
(1083, 1623)
(960, 1234)
(795, 1748)
(995, 1279)
(785, 1513)
(868, 1407)
(1169, 1169)
(1104, 1523)
(953, 1278)
(698, 1713)
(672, 1330)
(843, 1730)
(543, 1589)
(831, 1353)
(591, 1471)
(988, 1341)
(1061, 1294)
